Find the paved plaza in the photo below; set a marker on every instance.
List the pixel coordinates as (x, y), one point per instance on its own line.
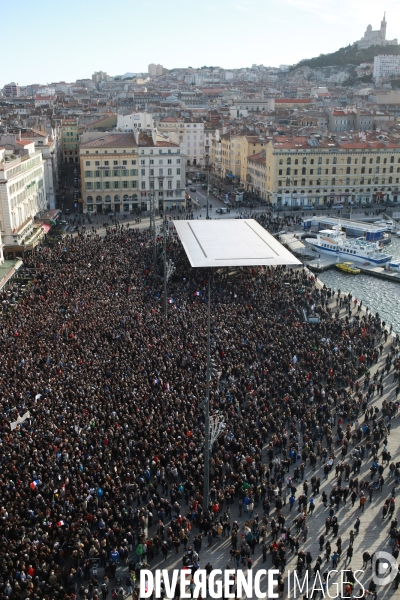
(373, 533)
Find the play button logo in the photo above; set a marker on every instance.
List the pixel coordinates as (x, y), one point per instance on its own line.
(384, 568)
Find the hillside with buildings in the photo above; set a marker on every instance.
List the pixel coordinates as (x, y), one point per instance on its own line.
(350, 55)
(349, 65)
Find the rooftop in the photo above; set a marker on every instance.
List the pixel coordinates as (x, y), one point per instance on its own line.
(118, 140)
(231, 242)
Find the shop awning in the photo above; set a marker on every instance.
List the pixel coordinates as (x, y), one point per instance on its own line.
(46, 227)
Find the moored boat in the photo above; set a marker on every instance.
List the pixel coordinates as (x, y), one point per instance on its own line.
(348, 267)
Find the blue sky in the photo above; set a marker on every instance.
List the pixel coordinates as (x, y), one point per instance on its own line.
(47, 40)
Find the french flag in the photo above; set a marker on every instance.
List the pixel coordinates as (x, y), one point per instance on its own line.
(34, 484)
(170, 301)
(197, 293)
(60, 523)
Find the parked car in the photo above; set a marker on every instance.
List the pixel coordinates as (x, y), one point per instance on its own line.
(193, 188)
(67, 211)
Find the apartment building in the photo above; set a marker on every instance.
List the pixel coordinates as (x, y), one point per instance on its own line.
(69, 140)
(12, 90)
(22, 192)
(136, 120)
(50, 148)
(303, 171)
(190, 132)
(216, 156)
(228, 168)
(255, 180)
(121, 172)
(162, 172)
(155, 70)
(385, 66)
(109, 174)
(249, 146)
(235, 150)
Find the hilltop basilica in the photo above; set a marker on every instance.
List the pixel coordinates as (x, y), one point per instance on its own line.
(375, 38)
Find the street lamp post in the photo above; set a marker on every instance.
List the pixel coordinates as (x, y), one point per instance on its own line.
(169, 268)
(208, 179)
(206, 493)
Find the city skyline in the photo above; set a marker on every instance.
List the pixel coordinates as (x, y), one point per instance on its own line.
(229, 35)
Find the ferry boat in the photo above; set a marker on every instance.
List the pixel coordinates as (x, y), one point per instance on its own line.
(334, 242)
(348, 267)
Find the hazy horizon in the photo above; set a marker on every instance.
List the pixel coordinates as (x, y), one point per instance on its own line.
(65, 44)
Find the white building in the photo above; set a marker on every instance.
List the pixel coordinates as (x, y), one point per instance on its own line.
(190, 132)
(41, 100)
(22, 189)
(139, 120)
(385, 66)
(161, 171)
(50, 147)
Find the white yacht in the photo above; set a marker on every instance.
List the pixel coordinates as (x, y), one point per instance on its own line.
(334, 242)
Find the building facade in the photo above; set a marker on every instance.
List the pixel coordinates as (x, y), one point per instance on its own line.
(385, 66)
(136, 120)
(50, 148)
(109, 174)
(69, 140)
(22, 191)
(304, 171)
(162, 172)
(190, 132)
(155, 70)
(12, 90)
(255, 181)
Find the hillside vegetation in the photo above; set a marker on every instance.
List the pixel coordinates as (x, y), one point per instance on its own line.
(349, 55)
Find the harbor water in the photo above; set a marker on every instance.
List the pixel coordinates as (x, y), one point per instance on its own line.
(379, 295)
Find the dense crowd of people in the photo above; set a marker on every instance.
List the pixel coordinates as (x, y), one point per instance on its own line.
(107, 469)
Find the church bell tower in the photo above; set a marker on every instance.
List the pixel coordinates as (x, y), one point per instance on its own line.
(383, 27)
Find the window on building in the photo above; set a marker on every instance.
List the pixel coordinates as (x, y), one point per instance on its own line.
(97, 163)
(143, 172)
(133, 162)
(124, 162)
(88, 163)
